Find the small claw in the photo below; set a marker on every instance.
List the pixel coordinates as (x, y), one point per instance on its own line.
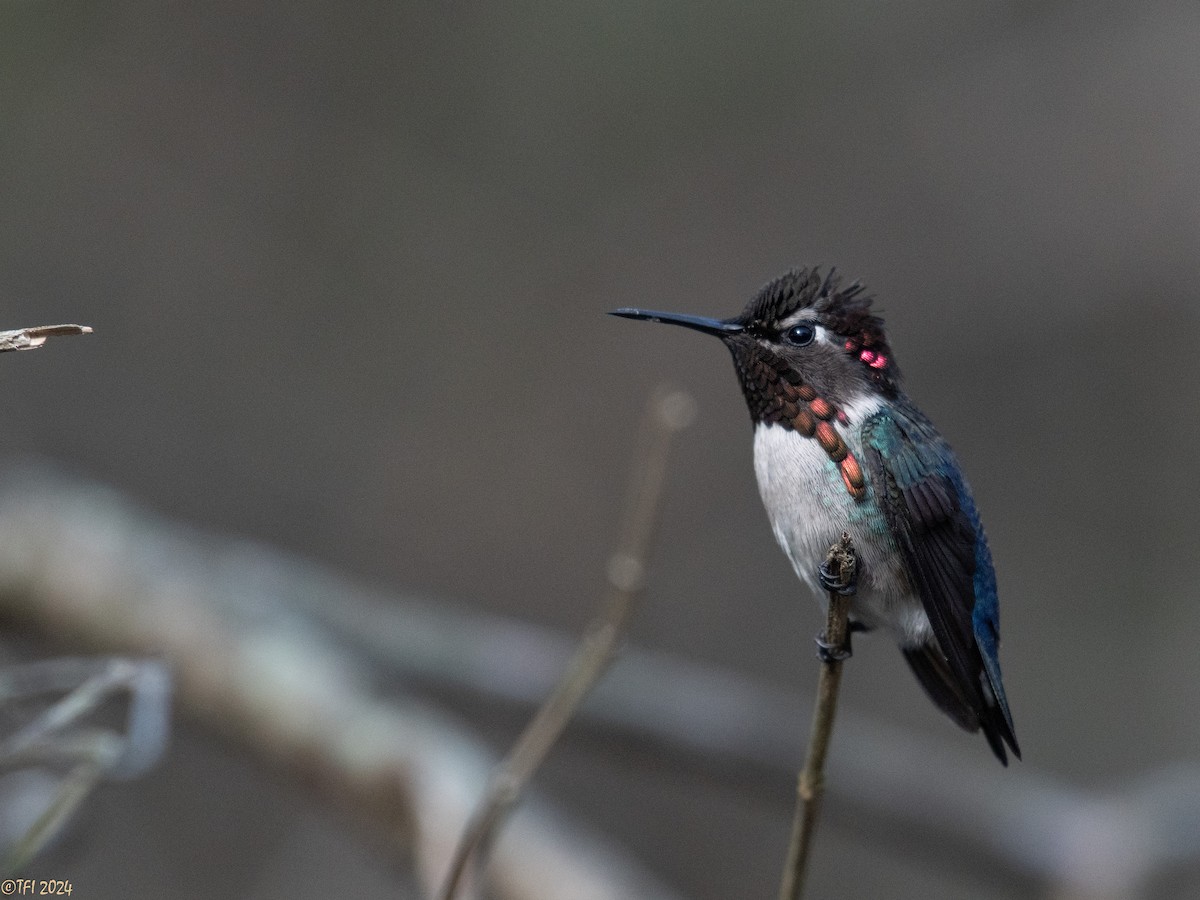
(830, 653)
(832, 580)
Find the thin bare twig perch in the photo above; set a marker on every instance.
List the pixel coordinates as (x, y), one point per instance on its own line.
(32, 338)
(668, 413)
(811, 786)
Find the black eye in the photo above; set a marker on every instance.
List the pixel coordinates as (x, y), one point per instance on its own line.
(800, 335)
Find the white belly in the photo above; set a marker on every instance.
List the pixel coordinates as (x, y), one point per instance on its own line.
(809, 508)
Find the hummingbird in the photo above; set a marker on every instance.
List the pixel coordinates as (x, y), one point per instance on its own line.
(839, 447)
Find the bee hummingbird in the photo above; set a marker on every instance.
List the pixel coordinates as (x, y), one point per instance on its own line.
(839, 447)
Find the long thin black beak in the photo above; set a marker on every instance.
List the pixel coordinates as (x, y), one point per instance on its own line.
(718, 327)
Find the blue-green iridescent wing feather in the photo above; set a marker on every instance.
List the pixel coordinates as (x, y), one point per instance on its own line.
(933, 520)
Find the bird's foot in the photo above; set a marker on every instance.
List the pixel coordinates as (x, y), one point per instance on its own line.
(832, 577)
(839, 573)
(831, 653)
(839, 576)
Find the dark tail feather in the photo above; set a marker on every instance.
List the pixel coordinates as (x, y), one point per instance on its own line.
(997, 705)
(971, 714)
(933, 672)
(997, 745)
(997, 722)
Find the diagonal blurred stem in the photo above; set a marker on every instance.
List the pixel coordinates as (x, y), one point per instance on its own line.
(78, 785)
(667, 413)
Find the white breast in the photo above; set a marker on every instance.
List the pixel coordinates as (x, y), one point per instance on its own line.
(794, 483)
(809, 507)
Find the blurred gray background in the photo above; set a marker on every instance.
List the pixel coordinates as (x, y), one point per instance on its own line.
(347, 266)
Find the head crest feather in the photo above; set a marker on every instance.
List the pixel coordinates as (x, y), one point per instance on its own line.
(846, 311)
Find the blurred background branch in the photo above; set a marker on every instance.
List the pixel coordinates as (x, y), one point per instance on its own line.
(667, 413)
(32, 338)
(286, 657)
(86, 566)
(54, 760)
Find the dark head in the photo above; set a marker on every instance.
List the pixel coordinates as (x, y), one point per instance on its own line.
(802, 345)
